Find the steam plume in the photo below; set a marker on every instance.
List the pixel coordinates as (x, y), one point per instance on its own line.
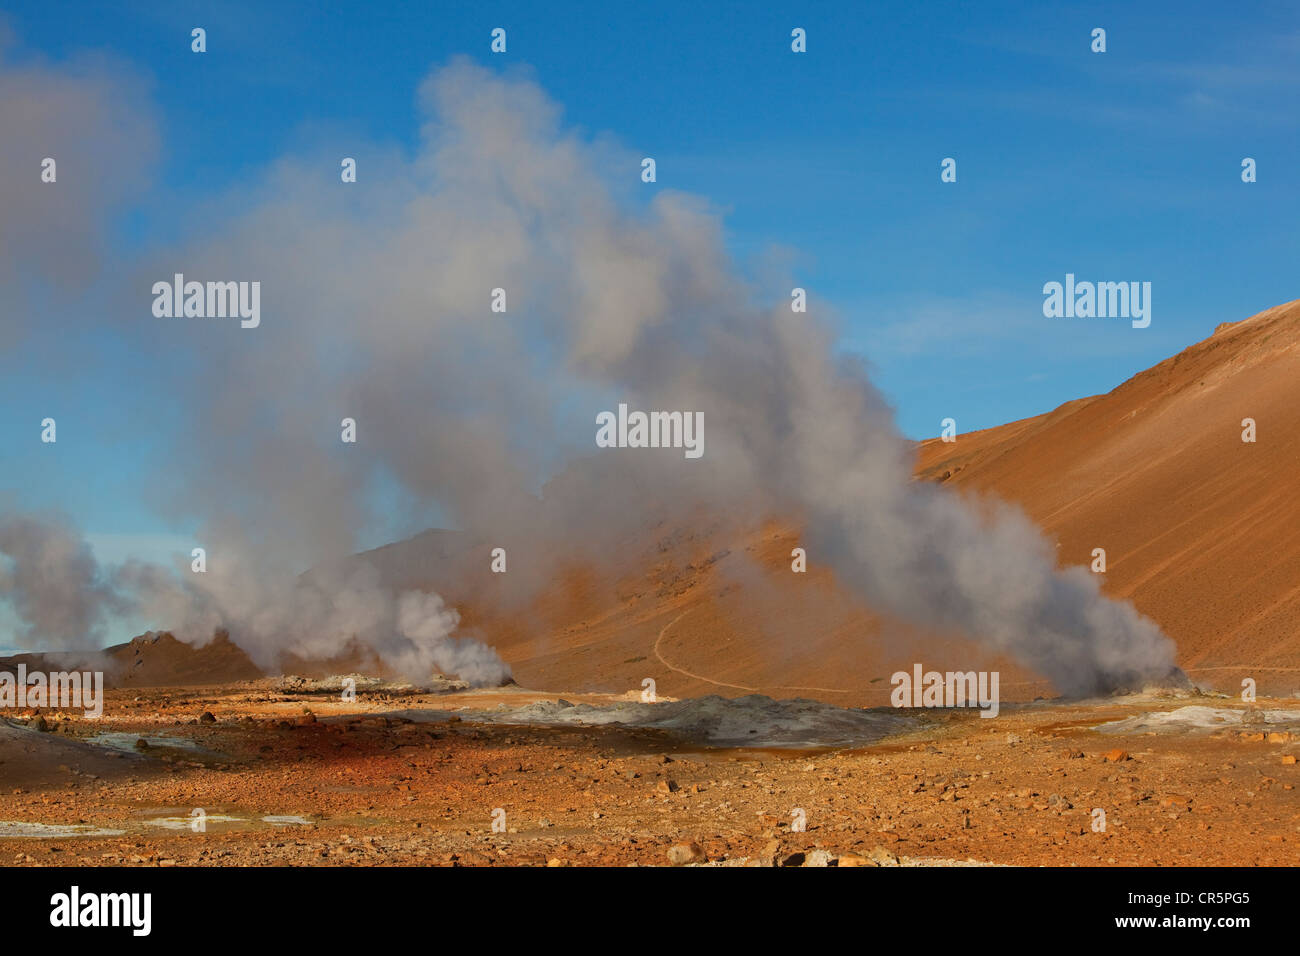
(375, 306)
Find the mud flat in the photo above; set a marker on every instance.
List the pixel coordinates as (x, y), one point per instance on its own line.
(750, 721)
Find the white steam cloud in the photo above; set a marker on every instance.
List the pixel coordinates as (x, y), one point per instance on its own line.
(375, 306)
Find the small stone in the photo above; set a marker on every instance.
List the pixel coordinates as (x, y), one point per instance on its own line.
(768, 855)
(681, 854)
(207, 718)
(882, 857)
(1117, 756)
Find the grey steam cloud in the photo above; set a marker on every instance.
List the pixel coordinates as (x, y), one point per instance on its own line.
(375, 306)
(53, 583)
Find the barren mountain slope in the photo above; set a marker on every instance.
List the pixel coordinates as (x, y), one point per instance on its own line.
(1199, 527)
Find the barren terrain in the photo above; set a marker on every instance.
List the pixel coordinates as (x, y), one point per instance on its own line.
(294, 778)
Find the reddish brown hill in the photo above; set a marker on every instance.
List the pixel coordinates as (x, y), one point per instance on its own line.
(1198, 526)
(698, 611)
(159, 660)
(151, 660)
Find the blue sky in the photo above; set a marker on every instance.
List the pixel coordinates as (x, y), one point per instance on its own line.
(1116, 166)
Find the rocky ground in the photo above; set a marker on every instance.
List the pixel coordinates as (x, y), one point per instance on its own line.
(410, 778)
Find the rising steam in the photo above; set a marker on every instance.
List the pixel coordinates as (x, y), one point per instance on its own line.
(375, 306)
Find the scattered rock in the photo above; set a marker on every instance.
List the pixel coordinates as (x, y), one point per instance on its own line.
(882, 857)
(682, 853)
(768, 855)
